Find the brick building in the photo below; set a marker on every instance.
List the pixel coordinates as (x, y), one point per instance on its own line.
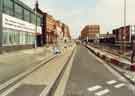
(66, 32)
(90, 32)
(48, 27)
(52, 30)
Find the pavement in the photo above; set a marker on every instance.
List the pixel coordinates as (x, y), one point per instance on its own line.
(39, 82)
(14, 63)
(90, 77)
(121, 64)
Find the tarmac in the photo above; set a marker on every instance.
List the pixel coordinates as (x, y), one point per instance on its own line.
(119, 63)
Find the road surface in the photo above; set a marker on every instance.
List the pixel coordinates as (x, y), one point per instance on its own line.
(90, 77)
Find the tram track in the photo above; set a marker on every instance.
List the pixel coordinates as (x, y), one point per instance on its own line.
(11, 82)
(11, 86)
(58, 80)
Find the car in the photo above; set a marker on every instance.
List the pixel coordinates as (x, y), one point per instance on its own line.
(56, 50)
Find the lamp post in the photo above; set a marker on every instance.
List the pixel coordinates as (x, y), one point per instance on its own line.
(36, 2)
(1, 2)
(124, 30)
(125, 11)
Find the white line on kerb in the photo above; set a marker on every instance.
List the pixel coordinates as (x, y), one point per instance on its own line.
(103, 92)
(111, 82)
(119, 85)
(94, 88)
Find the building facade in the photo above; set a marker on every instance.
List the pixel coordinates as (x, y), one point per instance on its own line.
(48, 26)
(59, 30)
(90, 32)
(124, 35)
(66, 33)
(50, 29)
(53, 31)
(20, 25)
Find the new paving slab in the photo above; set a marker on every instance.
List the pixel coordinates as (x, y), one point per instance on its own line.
(14, 63)
(45, 77)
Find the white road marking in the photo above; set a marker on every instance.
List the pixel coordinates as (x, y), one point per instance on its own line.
(103, 92)
(111, 82)
(119, 85)
(94, 88)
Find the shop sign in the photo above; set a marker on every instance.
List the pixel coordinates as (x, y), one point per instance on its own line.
(18, 24)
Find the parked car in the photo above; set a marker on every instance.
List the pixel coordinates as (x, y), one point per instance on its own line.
(56, 50)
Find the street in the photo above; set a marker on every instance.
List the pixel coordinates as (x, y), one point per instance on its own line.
(67, 48)
(89, 77)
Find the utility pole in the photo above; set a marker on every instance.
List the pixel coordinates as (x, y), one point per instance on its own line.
(124, 33)
(36, 5)
(1, 2)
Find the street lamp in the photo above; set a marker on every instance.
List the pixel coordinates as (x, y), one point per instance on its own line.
(36, 2)
(125, 11)
(124, 30)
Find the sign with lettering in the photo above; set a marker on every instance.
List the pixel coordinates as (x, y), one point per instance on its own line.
(18, 24)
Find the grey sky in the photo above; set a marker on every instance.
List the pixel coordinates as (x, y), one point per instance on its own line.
(78, 13)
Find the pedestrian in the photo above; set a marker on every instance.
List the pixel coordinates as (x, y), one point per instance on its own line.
(133, 51)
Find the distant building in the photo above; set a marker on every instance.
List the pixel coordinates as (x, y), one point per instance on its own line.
(124, 35)
(59, 30)
(90, 32)
(66, 32)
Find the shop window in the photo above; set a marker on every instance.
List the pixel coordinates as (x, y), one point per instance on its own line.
(22, 38)
(5, 40)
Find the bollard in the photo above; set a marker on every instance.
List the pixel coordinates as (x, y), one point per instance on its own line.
(98, 54)
(114, 61)
(103, 57)
(132, 67)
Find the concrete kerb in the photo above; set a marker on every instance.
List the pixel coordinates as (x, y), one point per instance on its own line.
(47, 90)
(56, 83)
(112, 59)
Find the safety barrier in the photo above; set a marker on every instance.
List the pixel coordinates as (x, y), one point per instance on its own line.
(112, 59)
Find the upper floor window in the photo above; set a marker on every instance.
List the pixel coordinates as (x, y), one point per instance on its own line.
(18, 11)
(27, 15)
(8, 7)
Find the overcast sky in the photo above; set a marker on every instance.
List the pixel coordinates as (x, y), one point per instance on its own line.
(78, 13)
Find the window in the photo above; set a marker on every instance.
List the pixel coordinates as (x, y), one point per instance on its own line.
(33, 18)
(18, 11)
(22, 38)
(38, 21)
(15, 36)
(8, 7)
(26, 15)
(5, 39)
(10, 37)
